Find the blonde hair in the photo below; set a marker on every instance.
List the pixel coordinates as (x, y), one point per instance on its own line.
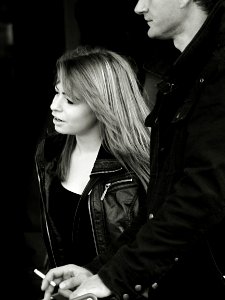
(107, 82)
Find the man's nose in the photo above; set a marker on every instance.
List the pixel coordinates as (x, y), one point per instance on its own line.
(141, 7)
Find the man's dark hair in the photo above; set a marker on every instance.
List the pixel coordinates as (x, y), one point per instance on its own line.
(206, 5)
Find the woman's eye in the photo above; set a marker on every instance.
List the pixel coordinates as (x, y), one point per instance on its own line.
(69, 101)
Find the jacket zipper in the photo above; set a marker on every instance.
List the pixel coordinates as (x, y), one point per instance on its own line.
(50, 242)
(46, 222)
(102, 198)
(92, 227)
(107, 172)
(107, 186)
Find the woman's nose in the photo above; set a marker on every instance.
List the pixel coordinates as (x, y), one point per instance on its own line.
(56, 102)
(141, 7)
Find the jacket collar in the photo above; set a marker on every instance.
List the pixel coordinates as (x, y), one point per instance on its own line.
(105, 162)
(168, 63)
(211, 35)
(190, 63)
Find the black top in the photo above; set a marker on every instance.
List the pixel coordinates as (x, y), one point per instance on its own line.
(63, 206)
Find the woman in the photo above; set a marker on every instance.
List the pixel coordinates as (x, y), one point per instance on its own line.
(93, 172)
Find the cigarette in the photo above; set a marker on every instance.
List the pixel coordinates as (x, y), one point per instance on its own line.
(43, 276)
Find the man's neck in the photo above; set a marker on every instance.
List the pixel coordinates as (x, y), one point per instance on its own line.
(192, 24)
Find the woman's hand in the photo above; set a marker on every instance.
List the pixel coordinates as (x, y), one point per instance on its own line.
(92, 284)
(71, 276)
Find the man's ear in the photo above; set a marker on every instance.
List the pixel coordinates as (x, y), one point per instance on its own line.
(184, 3)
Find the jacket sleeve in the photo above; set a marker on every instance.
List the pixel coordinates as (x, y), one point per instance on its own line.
(195, 205)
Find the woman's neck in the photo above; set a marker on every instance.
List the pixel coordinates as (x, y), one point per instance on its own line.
(89, 142)
(82, 161)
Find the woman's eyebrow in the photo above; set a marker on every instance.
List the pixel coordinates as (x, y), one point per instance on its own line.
(56, 88)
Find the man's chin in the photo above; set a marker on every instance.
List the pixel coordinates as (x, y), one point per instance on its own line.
(154, 35)
(151, 34)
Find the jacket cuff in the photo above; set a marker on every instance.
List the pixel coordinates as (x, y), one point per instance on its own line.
(124, 284)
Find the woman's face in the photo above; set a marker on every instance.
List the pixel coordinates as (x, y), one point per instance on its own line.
(69, 117)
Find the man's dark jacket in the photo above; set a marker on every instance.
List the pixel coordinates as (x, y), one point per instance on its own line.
(179, 253)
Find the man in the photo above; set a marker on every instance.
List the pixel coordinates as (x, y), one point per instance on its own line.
(179, 252)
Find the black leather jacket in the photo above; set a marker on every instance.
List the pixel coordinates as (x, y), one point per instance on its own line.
(116, 197)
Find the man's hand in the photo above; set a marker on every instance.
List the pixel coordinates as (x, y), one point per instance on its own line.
(71, 275)
(91, 284)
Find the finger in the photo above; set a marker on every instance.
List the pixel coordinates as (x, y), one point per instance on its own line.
(55, 275)
(47, 295)
(47, 288)
(72, 282)
(67, 275)
(80, 291)
(65, 293)
(74, 295)
(50, 285)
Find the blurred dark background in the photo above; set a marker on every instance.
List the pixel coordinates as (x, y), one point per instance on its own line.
(33, 34)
